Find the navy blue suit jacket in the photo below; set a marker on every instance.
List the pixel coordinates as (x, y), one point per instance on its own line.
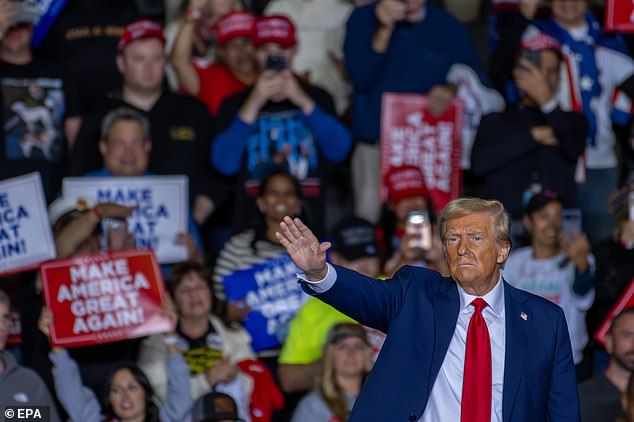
(418, 309)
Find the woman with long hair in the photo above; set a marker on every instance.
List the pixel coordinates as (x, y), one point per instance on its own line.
(346, 363)
(128, 395)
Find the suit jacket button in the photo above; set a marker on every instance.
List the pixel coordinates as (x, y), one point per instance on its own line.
(412, 417)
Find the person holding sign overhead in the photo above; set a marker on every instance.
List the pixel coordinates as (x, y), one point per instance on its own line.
(129, 397)
(474, 347)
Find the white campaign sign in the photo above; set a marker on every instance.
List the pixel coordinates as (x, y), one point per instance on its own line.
(162, 208)
(25, 232)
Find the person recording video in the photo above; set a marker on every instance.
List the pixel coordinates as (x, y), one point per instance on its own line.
(280, 122)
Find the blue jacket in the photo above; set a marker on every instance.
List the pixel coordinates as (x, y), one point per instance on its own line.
(418, 309)
(418, 57)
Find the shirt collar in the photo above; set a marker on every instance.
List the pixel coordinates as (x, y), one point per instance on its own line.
(495, 298)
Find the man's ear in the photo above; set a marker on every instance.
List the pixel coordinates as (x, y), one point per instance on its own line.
(147, 146)
(260, 203)
(120, 63)
(103, 147)
(609, 344)
(528, 225)
(503, 252)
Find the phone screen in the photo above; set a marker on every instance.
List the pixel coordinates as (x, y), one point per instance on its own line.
(114, 234)
(418, 227)
(571, 222)
(532, 56)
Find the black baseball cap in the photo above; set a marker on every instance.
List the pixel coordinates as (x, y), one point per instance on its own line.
(540, 200)
(215, 407)
(354, 238)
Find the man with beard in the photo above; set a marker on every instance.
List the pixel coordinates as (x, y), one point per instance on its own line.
(600, 396)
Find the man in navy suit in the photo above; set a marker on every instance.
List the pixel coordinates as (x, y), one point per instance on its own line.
(469, 348)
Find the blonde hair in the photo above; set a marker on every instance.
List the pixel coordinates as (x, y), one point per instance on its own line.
(331, 391)
(462, 207)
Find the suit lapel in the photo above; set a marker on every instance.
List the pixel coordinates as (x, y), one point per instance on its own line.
(446, 307)
(517, 327)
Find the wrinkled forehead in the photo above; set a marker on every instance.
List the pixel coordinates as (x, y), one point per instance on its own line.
(473, 222)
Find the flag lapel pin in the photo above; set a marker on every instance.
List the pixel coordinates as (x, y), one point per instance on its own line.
(524, 316)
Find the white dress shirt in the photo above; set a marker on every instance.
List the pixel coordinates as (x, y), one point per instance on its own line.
(446, 394)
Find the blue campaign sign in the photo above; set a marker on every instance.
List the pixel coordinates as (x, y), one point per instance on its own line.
(272, 292)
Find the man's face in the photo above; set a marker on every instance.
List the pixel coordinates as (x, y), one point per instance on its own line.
(545, 225)
(126, 152)
(18, 37)
(238, 55)
(142, 64)
(620, 343)
(4, 325)
(569, 13)
(474, 255)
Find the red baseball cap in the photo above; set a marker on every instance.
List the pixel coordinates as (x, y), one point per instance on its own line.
(277, 29)
(538, 41)
(405, 182)
(143, 28)
(234, 25)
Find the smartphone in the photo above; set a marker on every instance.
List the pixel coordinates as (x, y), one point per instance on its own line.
(275, 63)
(114, 234)
(571, 222)
(630, 200)
(418, 226)
(531, 56)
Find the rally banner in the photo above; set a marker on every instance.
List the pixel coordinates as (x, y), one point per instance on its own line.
(410, 135)
(162, 208)
(272, 292)
(25, 232)
(104, 298)
(619, 15)
(625, 301)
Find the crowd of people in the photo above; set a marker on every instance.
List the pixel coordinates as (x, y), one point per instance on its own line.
(275, 109)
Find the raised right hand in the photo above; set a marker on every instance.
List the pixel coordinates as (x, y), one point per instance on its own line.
(389, 12)
(304, 248)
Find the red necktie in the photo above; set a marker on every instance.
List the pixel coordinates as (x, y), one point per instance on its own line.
(477, 386)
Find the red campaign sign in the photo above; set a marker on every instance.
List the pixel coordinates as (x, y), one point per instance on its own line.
(410, 135)
(625, 301)
(619, 15)
(104, 298)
